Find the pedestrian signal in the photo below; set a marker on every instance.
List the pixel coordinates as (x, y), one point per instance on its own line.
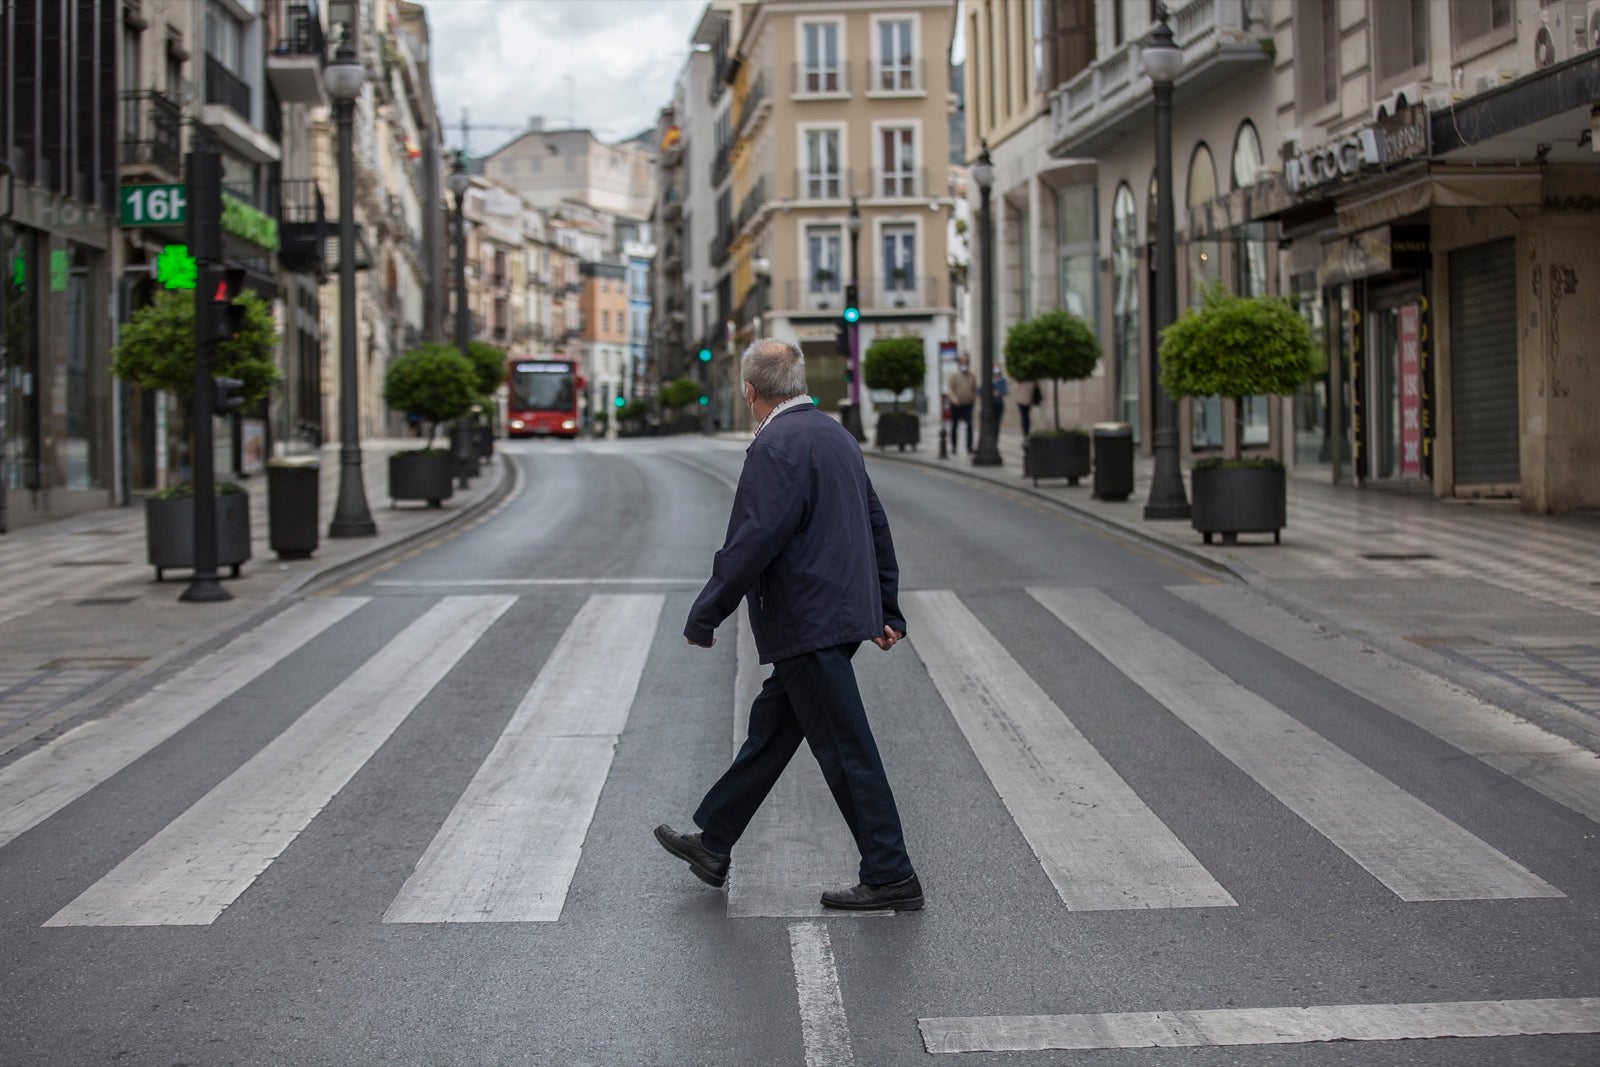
(221, 315)
(226, 395)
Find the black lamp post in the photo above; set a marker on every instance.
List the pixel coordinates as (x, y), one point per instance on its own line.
(460, 181)
(1162, 60)
(351, 517)
(988, 453)
(852, 222)
(763, 270)
(707, 345)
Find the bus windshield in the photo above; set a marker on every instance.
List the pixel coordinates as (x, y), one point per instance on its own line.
(541, 387)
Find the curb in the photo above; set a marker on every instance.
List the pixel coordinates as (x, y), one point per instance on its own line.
(120, 689)
(1238, 573)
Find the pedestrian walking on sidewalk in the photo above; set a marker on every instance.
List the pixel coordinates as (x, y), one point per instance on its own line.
(997, 400)
(962, 389)
(808, 548)
(1028, 396)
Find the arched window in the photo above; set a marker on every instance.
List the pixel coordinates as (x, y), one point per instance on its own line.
(1204, 270)
(1125, 304)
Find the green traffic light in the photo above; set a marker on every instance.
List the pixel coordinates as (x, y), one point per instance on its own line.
(705, 355)
(705, 401)
(620, 402)
(852, 314)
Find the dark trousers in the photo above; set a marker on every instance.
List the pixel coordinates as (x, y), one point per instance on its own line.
(814, 696)
(960, 413)
(1025, 414)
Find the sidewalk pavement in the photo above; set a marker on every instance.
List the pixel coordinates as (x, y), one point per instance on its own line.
(82, 618)
(1501, 601)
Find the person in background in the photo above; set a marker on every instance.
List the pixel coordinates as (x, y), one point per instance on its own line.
(1028, 396)
(962, 389)
(997, 400)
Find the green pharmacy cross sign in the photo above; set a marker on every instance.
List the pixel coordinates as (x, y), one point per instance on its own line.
(176, 268)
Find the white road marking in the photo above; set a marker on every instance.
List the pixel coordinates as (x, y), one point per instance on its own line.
(798, 844)
(508, 850)
(203, 860)
(451, 583)
(823, 1027)
(1408, 846)
(1563, 771)
(43, 782)
(1101, 846)
(1262, 1026)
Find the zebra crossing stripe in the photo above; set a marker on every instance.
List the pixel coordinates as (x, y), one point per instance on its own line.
(1262, 1026)
(43, 782)
(203, 860)
(1563, 771)
(798, 844)
(1101, 846)
(508, 850)
(1409, 847)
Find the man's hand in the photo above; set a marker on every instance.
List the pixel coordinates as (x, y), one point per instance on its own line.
(713, 641)
(887, 641)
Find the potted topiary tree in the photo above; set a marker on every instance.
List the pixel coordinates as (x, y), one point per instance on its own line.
(895, 364)
(1055, 346)
(155, 351)
(435, 383)
(677, 398)
(1235, 347)
(489, 362)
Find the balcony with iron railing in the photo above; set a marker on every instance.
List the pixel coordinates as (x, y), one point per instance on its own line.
(1111, 98)
(818, 81)
(226, 88)
(900, 77)
(152, 135)
(719, 247)
(824, 292)
(756, 104)
(753, 203)
(900, 289)
(899, 184)
(294, 66)
(722, 164)
(823, 186)
(304, 228)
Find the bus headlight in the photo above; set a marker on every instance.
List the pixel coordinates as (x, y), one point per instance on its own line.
(568, 424)
(516, 424)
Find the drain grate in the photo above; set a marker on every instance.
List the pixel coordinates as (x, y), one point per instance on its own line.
(90, 563)
(100, 601)
(94, 663)
(1398, 555)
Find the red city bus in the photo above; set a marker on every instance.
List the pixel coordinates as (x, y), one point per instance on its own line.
(542, 398)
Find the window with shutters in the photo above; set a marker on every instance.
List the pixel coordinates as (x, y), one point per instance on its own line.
(1400, 40)
(1479, 25)
(1316, 54)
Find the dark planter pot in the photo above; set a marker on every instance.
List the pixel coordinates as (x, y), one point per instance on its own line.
(485, 436)
(169, 532)
(422, 476)
(1056, 457)
(1232, 502)
(898, 428)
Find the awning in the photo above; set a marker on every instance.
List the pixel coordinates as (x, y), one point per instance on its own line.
(1441, 187)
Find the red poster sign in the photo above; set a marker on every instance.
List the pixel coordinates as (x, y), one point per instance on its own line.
(1410, 391)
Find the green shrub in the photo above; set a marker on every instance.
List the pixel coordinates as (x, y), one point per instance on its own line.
(433, 382)
(1237, 463)
(185, 491)
(895, 364)
(638, 410)
(489, 363)
(1236, 346)
(679, 393)
(1054, 346)
(155, 347)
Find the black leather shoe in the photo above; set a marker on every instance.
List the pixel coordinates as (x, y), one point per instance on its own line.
(901, 896)
(708, 866)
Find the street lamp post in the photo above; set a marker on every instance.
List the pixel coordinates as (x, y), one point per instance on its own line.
(852, 222)
(1162, 60)
(763, 268)
(351, 516)
(708, 344)
(988, 453)
(460, 181)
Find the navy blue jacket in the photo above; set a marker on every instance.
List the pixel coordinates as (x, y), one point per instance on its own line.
(808, 545)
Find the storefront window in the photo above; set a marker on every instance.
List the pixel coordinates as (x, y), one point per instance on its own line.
(87, 381)
(1313, 443)
(1125, 305)
(1204, 270)
(1075, 237)
(19, 398)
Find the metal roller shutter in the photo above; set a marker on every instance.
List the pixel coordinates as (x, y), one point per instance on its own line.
(1483, 364)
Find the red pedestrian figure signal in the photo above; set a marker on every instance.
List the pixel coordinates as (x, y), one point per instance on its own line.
(222, 317)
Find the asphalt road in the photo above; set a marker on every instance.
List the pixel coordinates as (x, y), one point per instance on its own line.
(415, 827)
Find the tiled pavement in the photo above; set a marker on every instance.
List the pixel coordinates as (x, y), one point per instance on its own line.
(81, 615)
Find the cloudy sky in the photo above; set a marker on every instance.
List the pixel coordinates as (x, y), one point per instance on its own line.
(609, 64)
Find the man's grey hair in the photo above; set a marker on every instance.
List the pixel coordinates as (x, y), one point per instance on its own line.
(776, 369)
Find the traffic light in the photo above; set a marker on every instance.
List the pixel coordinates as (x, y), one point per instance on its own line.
(226, 395)
(705, 401)
(841, 338)
(221, 316)
(620, 401)
(705, 355)
(852, 306)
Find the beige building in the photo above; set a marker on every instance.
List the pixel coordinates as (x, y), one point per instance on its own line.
(550, 167)
(837, 105)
